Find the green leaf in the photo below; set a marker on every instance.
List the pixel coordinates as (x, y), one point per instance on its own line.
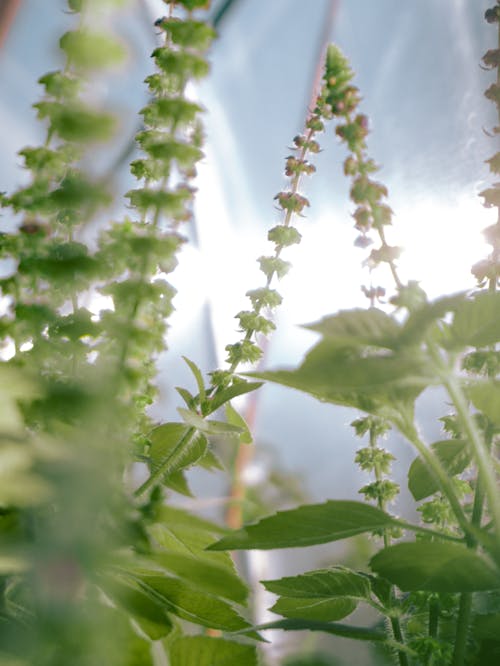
(76, 122)
(435, 567)
(454, 457)
(385, 385)
(332, 582)
(175, 446)
(357, 328)
(326, 594)
(485, 396)
(91, 50)
(476, 322)
(209, 427)
(233, 391)
(334, 628)
(151, 616)
(209, 576)
(178, 483)
(190, 603)
(208, 651)
(313, 608)
(178, 531)
(307, 526)
(487, 627)
(236, 419)
(198, 376)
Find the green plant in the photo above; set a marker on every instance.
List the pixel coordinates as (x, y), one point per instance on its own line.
(120, 575)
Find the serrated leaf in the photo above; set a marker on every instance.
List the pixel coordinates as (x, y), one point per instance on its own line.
(325, 610)
(476, 322)
(175, 446)
(358, 327)
(208, 651)
(417, 325)
(209, 576)
(190, 603)
(307, 526)
(332, 582)
(236, 419)
(454, 457)
(485, 396)
(211, 461)
(435, 567)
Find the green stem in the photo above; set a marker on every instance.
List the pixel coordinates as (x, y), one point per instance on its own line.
(462, 629)
(433, 616)
(479, 451)
(435, 467)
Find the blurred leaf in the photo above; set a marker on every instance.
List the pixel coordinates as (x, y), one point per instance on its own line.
(307, 526)
(234, 418)
(91, 50)
(216, 578)
(435, 567)
(454, 457)
(358, 328)
(476, 322)
(485, 396)
(208, 651)
(190, 603)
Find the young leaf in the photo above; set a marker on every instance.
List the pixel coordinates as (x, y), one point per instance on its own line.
(208, 651)
(435, 567)
(209, 427)
(236, 419)
(453, 455)
(307, 526)
(353, 328)
(334, 628)
(175, 446)
(233, 391)
(198, 376)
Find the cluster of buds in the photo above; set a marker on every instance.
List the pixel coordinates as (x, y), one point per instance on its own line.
(487, 271)
(371, 212)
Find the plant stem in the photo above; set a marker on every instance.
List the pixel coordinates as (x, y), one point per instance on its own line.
(480, 453)
(462, 629)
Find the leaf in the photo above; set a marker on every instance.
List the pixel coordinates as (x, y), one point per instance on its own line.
(209, 427)
(358, 327)
(190, 603)
(385, 385)
(313, 608)
(307, 526)
(198, 376)
(485, 396)
(233, 391)
(454, 457)
(91, 50)
(435, 567)
(175, 446)
(344, 630)
(208, 651)
(212, 577)
(332, 582)
(234, 418)
(180, 532)
(417, 325)
(178, 483)
(487, 627)
(151, 616)
(476, 322)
